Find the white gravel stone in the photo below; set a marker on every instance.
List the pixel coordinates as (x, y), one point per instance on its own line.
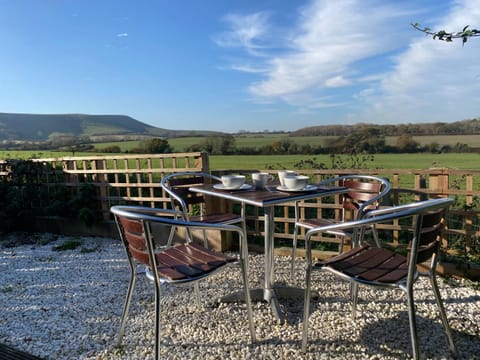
(67, 305)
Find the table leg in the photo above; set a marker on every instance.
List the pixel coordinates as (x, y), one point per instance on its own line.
(269, 293)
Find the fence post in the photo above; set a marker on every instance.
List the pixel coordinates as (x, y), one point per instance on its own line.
(102, 182)
(438, 183)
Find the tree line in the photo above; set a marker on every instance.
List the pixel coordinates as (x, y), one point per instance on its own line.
(342, 139)
(368, 140)
(464, 127)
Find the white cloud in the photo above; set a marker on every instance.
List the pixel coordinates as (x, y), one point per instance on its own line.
(328, 38)
(122, 35)
(253, 69)
(337, 81)
(364, 57)
(433, 80)
(246, 31)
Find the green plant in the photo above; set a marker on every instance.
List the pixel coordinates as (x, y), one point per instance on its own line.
(465, 34)
(33, 188)
(67, 245)
(86, 250)
(6, 289)
(354, 161)
(309, 164)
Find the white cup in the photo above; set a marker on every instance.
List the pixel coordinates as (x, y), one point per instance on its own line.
(283, 173)
(295, 182)
(260, 179)
(233, 181)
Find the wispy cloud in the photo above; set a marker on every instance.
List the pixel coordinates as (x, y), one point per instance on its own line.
(122, 35)
(320, 50)
(433, 80)
(245, 31)
(326, 57)
(253, 69)
(330, 38)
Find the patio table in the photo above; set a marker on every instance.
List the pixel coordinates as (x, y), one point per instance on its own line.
(267, 199)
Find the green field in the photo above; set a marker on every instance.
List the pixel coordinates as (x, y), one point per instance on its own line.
(381, 161)
(254, 162)
(124, 145)
(42, 154)
(239, 162)
(260, 140)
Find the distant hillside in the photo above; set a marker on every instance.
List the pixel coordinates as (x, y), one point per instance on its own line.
(35, 127)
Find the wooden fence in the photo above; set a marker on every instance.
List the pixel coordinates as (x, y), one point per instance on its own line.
(462, 235)
(135, 179)
(126, 179)
(132, 179)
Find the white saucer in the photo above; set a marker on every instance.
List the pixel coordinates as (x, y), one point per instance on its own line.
(306, 188)
(222, 187)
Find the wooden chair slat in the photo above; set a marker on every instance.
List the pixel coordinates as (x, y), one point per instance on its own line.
(356, 265)
(196, 250)
(214, 218)
(139, 255)
(204, 264)
(362, 185)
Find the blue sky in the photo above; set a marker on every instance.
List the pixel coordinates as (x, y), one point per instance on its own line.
(231, 65)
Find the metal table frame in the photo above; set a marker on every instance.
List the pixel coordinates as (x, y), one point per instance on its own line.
(267, 199)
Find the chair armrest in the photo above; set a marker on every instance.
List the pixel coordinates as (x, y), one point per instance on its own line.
(418, 206)
(384, 215)
(172, 217)
(127, 210)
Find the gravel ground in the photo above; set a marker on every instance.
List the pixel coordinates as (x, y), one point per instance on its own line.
(67, 305)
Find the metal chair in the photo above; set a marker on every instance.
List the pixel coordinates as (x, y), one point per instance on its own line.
(383, 268)
(363, 194)
(176, 265)
(176, 185)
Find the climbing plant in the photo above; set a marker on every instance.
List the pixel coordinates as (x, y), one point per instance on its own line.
(465, 34)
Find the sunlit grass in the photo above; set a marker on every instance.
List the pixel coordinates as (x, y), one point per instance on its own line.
(381, 161)
(254, 162)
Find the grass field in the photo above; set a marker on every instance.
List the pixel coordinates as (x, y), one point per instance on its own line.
(381, 161)
(254, 162)
(260, 140)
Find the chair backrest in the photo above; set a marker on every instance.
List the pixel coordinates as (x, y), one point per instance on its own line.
(177, 184)
(178, 263)
(135, 231)
(133, 236)
(429, 229)
(428, 221)
(364, 193)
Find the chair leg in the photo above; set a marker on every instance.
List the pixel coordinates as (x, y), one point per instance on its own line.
(244, 229)
(306, 308)
(294, 243)
(170, 237)
(354, 295)
(205, 239)
(248, 300)
(375, 236)
(443, 315)
(294, 252)
(196, 288)
(244, 222)
(157, 319)
(126, 305)
(341, 243)
(413, 323)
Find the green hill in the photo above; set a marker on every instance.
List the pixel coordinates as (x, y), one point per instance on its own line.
(39, 127)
